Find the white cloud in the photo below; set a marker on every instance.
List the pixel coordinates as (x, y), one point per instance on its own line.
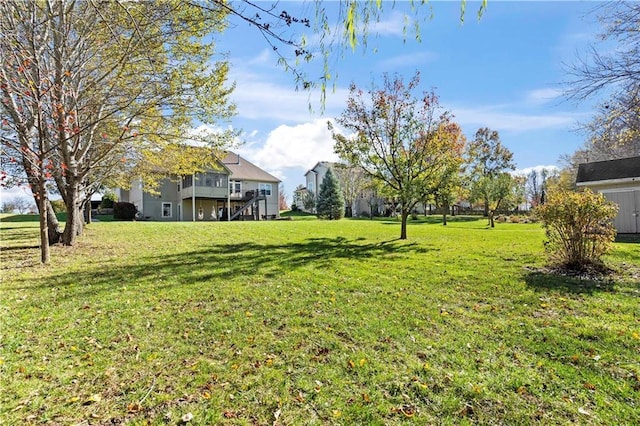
(542, 96)
(525, 171)
(500, 120)
(396, 25)
(7, 194)
(258, 98)
(287, 147)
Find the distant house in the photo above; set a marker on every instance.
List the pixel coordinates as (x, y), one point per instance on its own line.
(365, 201)
(238, 190)
(618, 181)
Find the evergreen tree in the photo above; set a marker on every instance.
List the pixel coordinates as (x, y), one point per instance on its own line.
(330, 204)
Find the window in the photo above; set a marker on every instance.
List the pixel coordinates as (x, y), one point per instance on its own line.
(187, 181)
(235, 187)
(219, 180)
(166, 210)
(310, 186)
(265, 189)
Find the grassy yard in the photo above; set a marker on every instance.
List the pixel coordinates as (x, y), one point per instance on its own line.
(313, 322)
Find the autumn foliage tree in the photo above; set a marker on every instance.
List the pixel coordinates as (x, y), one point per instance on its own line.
(403, 140)
(89, 89)
(488, 160)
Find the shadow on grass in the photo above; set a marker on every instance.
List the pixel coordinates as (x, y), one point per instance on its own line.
(552, 281)
(221, 262)
(427, 220)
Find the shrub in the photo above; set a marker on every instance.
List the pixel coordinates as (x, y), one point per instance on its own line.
(124, 211)
(58, 206)
(108, 199)
(294, 207)
(578, 226)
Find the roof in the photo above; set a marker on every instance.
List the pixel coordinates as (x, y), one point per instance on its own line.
(241, 168)
(325, 164)
(624, 168)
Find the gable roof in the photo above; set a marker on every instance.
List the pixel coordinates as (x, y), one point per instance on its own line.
(622, 169)
(241, 168)
(325, 164)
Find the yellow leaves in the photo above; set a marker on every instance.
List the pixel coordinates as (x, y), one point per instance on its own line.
(635, 335)
(248, 314)
(134, 407)
(96, 397)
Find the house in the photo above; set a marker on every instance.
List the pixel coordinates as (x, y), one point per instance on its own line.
(363, 201)
(618, 181)
(238, 190)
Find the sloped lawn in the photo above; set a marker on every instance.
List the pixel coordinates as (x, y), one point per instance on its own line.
(313, 322)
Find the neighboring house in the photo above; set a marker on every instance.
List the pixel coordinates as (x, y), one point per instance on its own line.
(618, 181)
(364, 202)
(239, 190)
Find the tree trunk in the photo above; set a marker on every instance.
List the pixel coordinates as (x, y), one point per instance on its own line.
(403, 226)
(491, 222)
(53, 226)
(73, 226)
(42, 201)
(445, 209)
(486, 208)
(87, 213)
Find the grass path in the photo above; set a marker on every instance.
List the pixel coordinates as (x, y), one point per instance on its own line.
(313, 322)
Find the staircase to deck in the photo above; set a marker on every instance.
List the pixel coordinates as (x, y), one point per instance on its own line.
(254, 197)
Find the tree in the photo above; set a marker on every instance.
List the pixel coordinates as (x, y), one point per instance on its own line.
(330, 203)
(88, 86)
(447, 191)
(487, 159)
(502, 191)
(282, 198)
(616, 70)
(309, 201)
(353, 182)
(400, 140)
(22, 204)
(331, 40)
(536, 186)
(611, 70)
(7, 207)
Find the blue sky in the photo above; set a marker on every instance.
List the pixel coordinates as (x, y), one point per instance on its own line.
(504, 72)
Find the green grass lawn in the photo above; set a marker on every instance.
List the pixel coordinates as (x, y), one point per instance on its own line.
(313, 322)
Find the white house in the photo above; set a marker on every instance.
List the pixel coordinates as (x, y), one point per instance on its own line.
(618, 181)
